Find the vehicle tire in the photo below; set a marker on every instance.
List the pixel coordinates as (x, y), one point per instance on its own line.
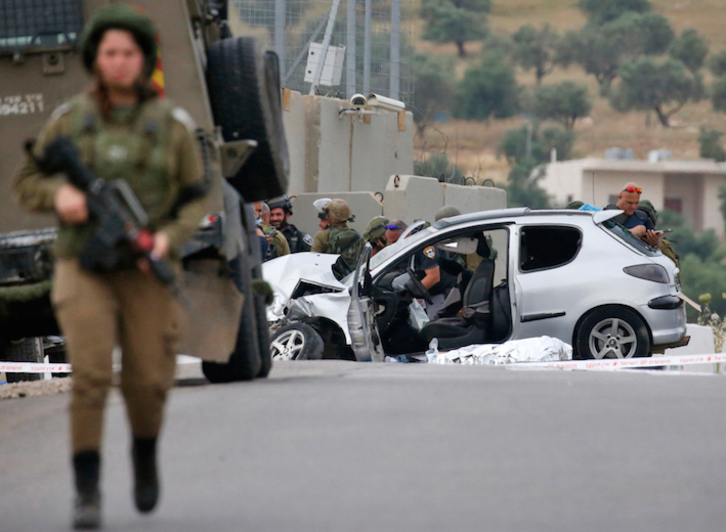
(296, 341)
(245, 362)
(24, 350)
(244, 90)
(612, 332)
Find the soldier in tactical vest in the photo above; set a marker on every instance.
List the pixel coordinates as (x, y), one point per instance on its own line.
(280, 212)
(123, 131)
(375, 233)
(663, 243)
(338, 238)
(278, 245)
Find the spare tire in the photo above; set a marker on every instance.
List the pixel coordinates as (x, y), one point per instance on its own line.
(244, 91)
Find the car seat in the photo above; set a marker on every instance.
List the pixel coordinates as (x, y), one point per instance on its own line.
(475, 324)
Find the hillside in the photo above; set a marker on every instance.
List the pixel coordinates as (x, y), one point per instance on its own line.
(473, 144)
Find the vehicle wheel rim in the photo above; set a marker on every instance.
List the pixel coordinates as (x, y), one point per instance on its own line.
(287, 346)
(613, 338)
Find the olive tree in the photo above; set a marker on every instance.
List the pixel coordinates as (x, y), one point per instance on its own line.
(489, 90)
(435, 89)
(563, 103)
(457, 21)
(603, 11)
(536, 49)
(690, 48)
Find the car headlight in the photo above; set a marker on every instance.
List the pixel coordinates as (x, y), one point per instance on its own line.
(649, 272)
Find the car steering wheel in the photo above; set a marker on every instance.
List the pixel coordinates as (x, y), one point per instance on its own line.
(417, 288)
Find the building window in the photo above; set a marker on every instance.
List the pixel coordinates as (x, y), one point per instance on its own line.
(28, 24)
(547, 246)
(674, 204)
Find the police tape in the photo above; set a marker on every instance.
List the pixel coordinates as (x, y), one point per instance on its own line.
(35, 367)
(617, 364)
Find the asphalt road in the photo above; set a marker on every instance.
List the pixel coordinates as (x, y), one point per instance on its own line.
(342, 446)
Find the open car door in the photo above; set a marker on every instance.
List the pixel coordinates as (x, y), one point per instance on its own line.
(365, 340)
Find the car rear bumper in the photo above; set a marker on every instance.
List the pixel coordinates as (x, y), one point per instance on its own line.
(667, 325)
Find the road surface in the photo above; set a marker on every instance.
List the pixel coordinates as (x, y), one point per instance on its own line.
(344, 447)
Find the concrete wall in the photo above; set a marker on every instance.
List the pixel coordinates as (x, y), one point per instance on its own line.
(406, 197)
(294, 122)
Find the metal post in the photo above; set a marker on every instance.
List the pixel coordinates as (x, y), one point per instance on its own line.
(326, 43)
(350, 50)
(280, 10)
(367, 49)
(395, 81)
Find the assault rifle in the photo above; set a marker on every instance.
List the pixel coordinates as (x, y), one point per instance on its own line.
(122, 222)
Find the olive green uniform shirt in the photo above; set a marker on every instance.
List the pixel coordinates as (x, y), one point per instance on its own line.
(320, 242)
(278, 239)
(36, 191)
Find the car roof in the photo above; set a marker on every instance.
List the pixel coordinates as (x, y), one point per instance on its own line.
(506, 214)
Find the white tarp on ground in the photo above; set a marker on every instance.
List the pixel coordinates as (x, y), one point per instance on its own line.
(541, 349)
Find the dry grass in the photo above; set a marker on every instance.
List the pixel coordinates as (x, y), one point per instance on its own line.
(473, 145)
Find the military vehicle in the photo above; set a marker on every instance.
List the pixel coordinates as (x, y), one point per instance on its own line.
(231, 89)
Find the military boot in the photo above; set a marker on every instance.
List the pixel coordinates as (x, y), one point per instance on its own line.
(87, 508)
(146, 487)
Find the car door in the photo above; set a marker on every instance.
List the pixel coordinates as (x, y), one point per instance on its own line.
(365, 340)
(546, 279)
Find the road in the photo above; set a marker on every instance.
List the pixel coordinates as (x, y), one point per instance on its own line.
(343, 446)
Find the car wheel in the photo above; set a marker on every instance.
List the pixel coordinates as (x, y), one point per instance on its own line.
(612, 332)
(297, 341)
(244, 91)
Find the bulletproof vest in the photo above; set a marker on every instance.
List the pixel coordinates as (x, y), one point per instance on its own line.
(296, 239)
(134, 149)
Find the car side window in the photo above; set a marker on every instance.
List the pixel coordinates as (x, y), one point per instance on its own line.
(40, 24)
(547, 246)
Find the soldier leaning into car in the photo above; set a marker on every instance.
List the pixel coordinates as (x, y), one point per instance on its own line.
(122, 130)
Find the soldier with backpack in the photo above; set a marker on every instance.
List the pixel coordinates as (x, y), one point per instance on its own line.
(338, 238)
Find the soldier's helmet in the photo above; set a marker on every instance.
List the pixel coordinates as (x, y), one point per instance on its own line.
(122, 17)
(647, 207)
(376, 229)
(447, 211)
(282, 202)
(337, 211)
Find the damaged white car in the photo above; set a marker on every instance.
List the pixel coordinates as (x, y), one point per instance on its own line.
(573, 275)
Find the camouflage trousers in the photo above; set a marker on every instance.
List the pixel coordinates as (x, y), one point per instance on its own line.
(96, 312)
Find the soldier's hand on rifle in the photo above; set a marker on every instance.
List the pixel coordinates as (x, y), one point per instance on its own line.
(70, 204)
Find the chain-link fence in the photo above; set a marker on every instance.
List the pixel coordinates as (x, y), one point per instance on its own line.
(369, 43)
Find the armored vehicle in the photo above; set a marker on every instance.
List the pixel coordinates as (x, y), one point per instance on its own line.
(231, 89)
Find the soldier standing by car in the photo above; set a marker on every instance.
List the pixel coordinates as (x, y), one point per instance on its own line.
(375, 233)
(277, 244)
(280, 212)
(338, 238)
(124, 131)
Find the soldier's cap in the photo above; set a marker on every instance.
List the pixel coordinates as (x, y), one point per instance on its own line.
(647, 207)
(121, 17)
(281, 202)
(447, 211)
(376, 228)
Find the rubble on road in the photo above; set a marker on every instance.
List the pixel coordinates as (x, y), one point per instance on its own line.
(17, 390)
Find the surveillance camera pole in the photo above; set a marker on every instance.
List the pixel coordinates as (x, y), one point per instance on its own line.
(326, 44)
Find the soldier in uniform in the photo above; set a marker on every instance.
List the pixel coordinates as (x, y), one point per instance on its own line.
(277, 243)
(280, 212)
(122, 130)
(663, 243)
(376, 233)
(338, 238)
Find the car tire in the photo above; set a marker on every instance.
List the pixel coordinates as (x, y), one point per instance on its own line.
(24, 350)
(244, 91)
(595, 337)
(296, 341)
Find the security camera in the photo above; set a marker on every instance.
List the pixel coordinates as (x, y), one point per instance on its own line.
(358, 101)
(383, 102)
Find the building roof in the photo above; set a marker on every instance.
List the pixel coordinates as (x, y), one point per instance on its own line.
(694, 166)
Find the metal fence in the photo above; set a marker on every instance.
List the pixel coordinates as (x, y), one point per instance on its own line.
(366, 43)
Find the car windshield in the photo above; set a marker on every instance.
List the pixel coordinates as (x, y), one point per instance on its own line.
(623, 234)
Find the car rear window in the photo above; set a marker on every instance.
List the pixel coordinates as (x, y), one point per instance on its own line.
(547, 246)
(27, 24)
(623, 234)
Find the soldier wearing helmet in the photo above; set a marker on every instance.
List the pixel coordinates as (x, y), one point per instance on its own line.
(280, 212)
(376, 233)
(123, 131)
(338, 238)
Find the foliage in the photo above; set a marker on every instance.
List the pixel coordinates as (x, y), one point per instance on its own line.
(711, 147)
(717, 64)
(488, 90)
(457, 21)
(439, 165)
(713, 320)
(563, 103)
(705, 245)
(603, 11)
(699, 277)
(535, 49)
(663, 86)
(601, 49)
(523, 188)
(690, 48)
(718, 94)
(435, 88)
(514, 144)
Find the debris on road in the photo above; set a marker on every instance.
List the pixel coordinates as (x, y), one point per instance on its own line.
(541, 349)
